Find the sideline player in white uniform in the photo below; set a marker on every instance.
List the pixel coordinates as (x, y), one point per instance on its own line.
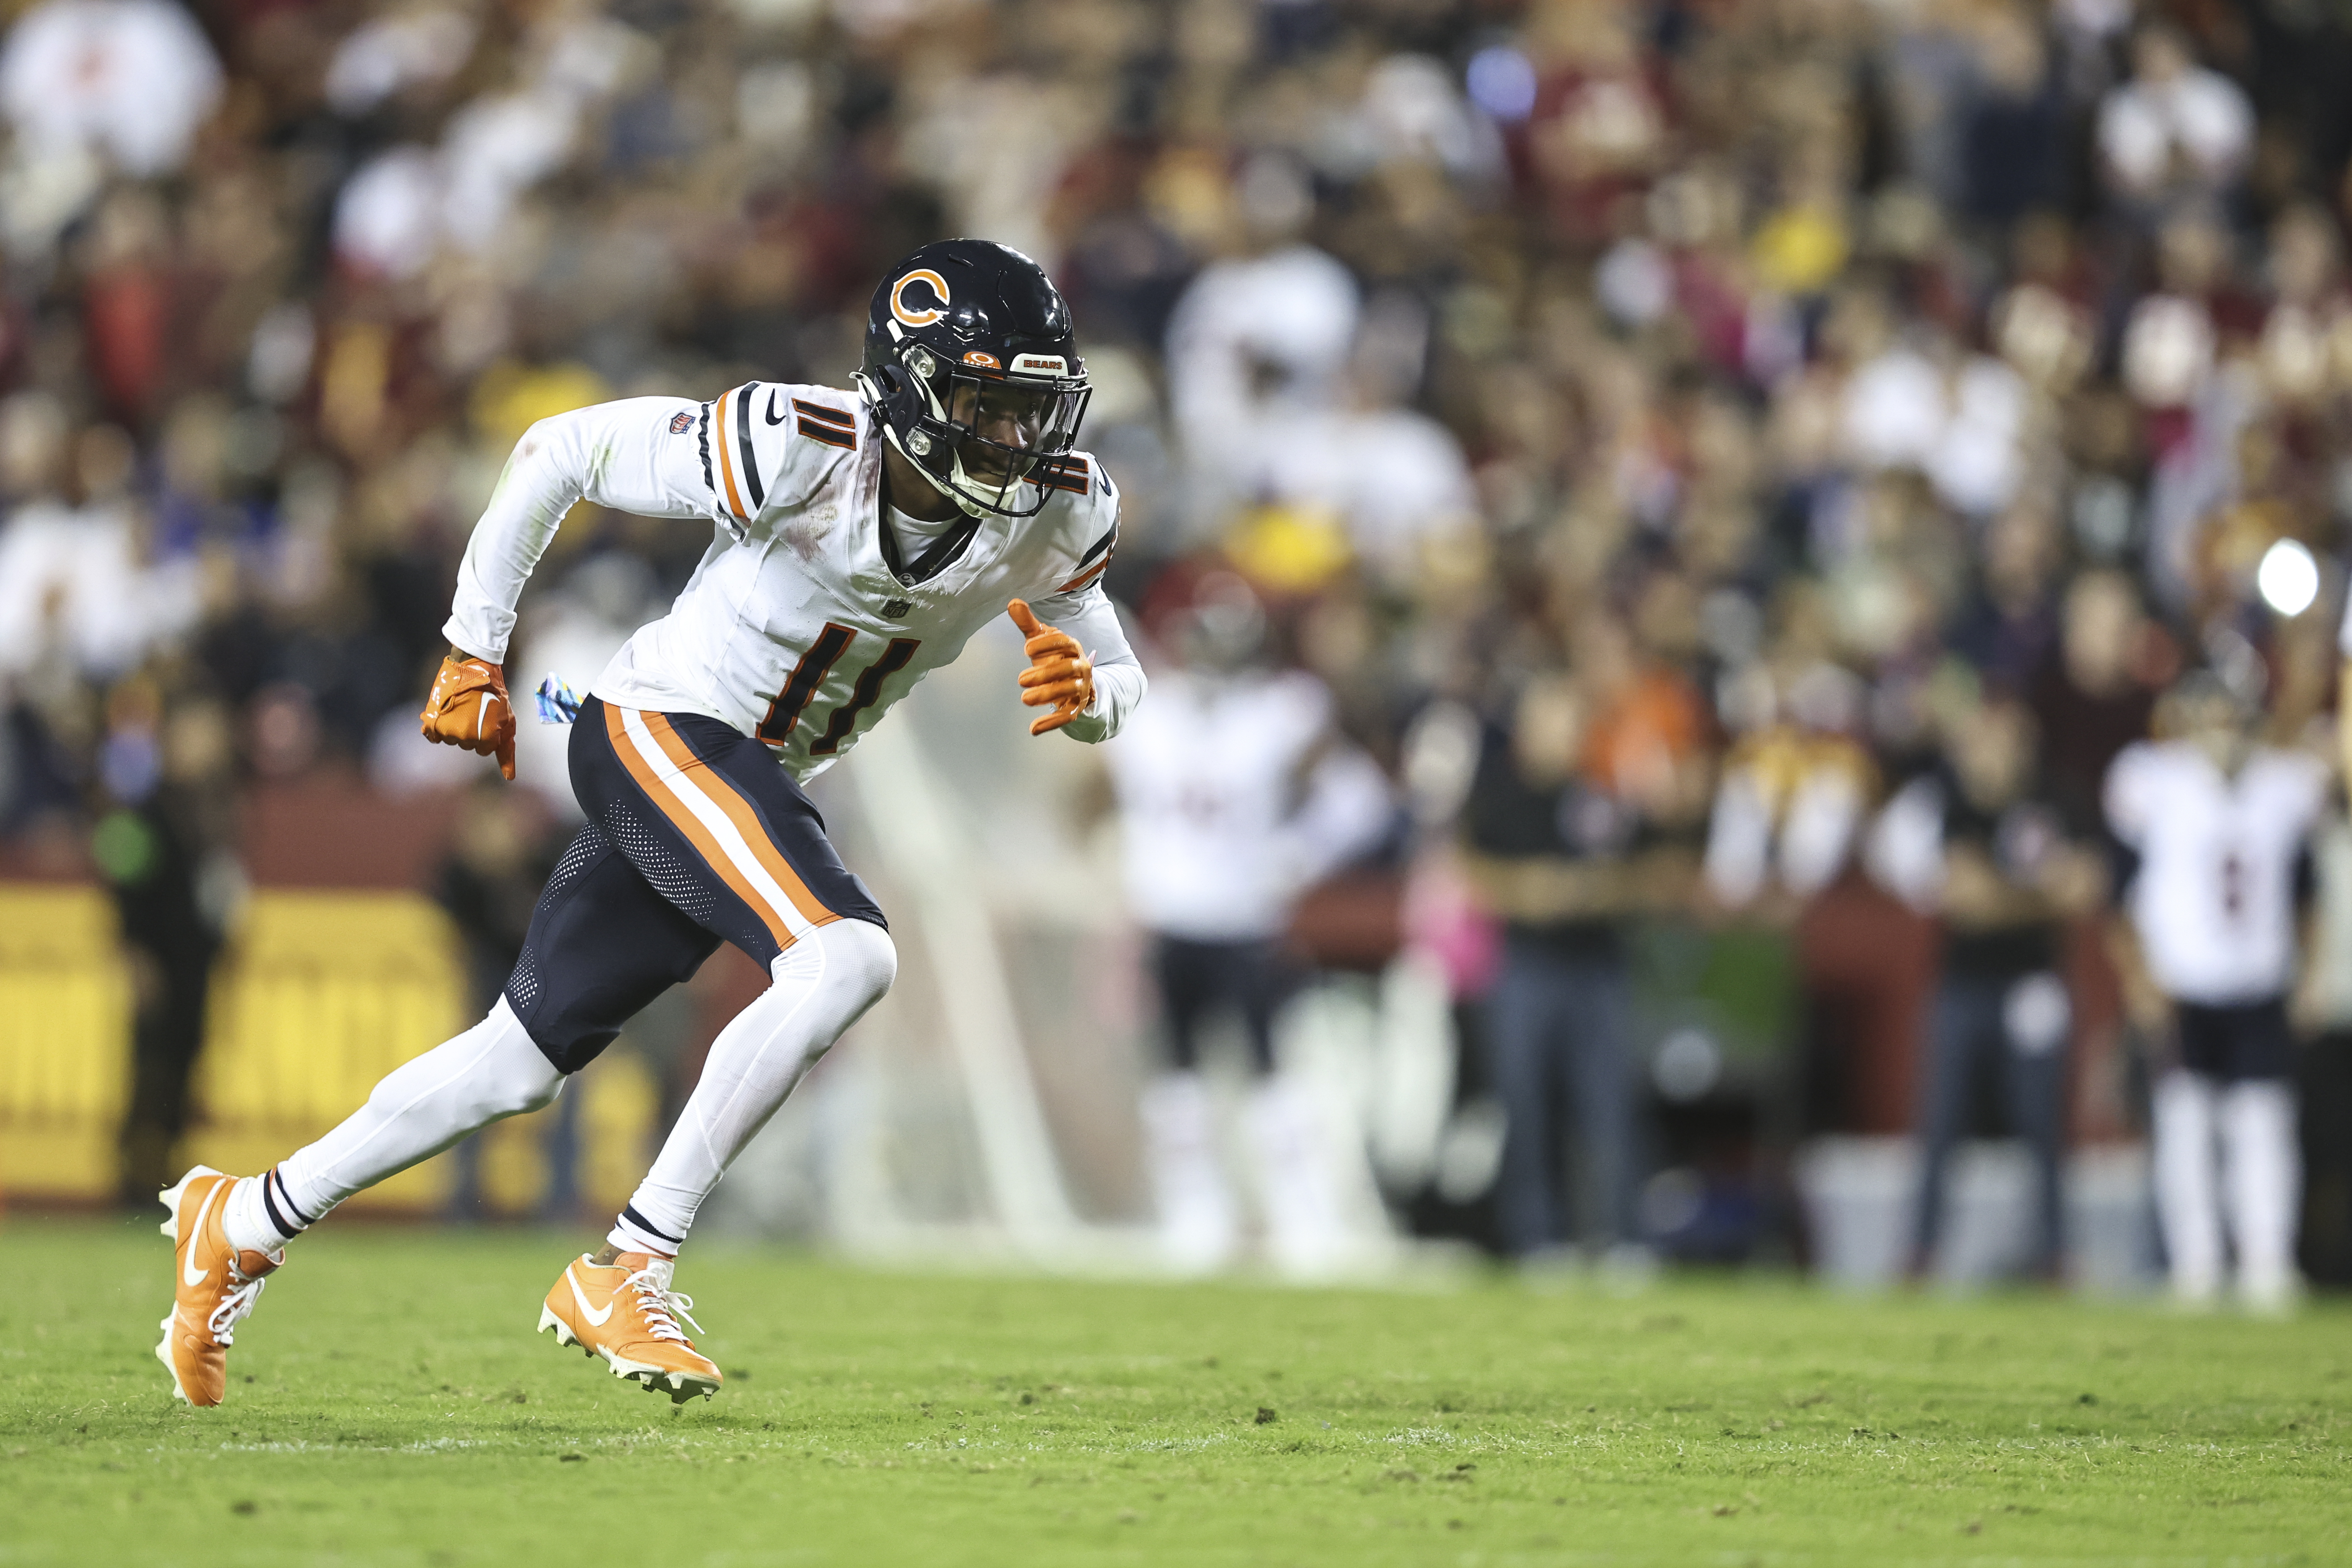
(861, 539)
(2218, 824)
(1236, 794)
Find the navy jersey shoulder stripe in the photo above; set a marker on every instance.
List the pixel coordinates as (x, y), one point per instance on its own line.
(1069, 474)
(824, 414)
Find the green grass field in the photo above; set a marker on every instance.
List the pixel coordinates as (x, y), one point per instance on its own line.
(390, 1405)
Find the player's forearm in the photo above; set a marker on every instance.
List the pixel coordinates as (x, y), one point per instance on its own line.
(546, 475)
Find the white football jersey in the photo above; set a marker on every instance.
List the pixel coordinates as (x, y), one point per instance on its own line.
(801, 625)
(2214, 900)
(1232, 801)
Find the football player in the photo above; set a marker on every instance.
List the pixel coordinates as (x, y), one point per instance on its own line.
(2214, 825)
(1236, 794)
(861, 538)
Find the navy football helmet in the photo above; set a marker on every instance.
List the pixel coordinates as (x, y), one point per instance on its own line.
(972, 364)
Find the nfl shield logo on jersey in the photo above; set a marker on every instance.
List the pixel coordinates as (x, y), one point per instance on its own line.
(892, 609)
(681, 423)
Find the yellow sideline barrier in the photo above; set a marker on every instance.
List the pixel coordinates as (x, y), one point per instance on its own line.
(324, 994)
(65, 1041)
(320, 994)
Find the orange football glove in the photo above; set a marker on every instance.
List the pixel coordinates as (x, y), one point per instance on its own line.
(469, 707)
(1059, 676)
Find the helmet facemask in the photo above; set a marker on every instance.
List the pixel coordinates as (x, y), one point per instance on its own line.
(977, 432)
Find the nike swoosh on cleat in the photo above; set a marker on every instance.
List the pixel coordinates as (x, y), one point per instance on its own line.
(774, 417)
(595, 1319)
(191, 1278)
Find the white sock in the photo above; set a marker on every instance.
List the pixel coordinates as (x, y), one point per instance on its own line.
(1179, 1146)
(257, 1215)
(2185, 1199)
(1302, 1211)
(824, 983)
(423, 1106)
(2263, 1179)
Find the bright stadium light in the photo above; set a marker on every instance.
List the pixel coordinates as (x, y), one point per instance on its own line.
(2288, 577)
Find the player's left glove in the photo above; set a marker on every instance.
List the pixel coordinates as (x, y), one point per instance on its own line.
(1060, 675)
(469, 707)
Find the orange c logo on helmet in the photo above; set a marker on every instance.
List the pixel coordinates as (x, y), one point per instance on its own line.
(919, 315)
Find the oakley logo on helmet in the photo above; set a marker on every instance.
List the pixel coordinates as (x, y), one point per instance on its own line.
(915, 312)
(983, 358)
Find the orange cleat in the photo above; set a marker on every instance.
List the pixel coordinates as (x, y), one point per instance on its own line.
(214, 1285)
(627, 1313)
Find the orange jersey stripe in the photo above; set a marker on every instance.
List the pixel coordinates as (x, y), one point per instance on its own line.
(747, 821)
(1082, 578)
(726, 455)
(682, 817)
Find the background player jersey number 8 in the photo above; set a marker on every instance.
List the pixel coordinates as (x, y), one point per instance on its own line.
(809, 675)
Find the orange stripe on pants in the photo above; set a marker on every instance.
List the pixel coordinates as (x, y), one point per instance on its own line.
(682, 817)
(738, 811)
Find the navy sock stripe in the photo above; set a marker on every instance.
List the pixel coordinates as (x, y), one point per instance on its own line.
(273, 1194)
(629, 1213)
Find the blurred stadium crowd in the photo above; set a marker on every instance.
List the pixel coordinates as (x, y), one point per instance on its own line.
(1662, 429)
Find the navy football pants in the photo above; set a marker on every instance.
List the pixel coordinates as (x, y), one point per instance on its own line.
(695, 837)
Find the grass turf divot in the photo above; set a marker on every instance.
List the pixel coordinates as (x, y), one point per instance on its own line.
(389, 1404)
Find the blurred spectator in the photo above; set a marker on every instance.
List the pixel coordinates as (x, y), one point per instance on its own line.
(1258, 344)
(130, 80)
(1561, 849)
(1790, 798)
(2095, 693)
(164, 845)
(2175, 130)
(1978, 844)
(2216, 824)
(1236, 796)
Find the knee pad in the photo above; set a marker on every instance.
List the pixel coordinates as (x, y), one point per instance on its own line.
(853, 961)
(868, 959)
(515, 1074)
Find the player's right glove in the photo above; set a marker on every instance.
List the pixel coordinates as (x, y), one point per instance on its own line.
(469, 707)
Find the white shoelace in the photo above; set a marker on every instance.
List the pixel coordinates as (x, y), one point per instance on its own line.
(658, 1301)
(232, 1308)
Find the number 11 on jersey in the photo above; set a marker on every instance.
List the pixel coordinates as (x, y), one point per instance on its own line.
(809, 675)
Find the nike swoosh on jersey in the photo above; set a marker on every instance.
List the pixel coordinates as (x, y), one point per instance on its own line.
(595, 1319)
(191, 1278)
(774, 417)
